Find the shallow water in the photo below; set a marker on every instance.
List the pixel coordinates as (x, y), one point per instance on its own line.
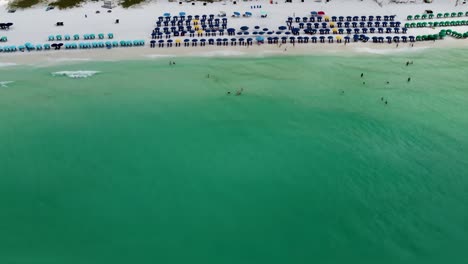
(146, 162)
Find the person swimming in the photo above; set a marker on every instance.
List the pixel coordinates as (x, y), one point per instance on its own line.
(362, 75)
(239, 92)
(409, 79)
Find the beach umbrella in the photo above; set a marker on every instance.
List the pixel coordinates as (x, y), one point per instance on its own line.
(244, 28)
(236, 13)
(166, 14)
(314, 13)
(321, 13)
(282, 28)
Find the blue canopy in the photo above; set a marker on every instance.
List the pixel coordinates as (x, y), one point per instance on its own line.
(167, 14)
(237, 13)
(282, 28)
(248, 13)
(244, 28)
(259, 38)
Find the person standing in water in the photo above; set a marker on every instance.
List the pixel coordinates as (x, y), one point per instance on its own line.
(409, 79)
(362, 75)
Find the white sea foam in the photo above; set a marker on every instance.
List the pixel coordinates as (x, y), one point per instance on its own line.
(75, 74)
(69, 59)
(4, 84)
(388, 51)
(7, 64)
(157, 56)
(220, 53)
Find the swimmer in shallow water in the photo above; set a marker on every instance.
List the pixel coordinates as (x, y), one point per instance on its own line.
(239, 92)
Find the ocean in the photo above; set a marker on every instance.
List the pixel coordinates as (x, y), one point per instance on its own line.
(146, 162)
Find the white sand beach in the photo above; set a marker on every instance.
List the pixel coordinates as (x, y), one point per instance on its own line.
(34, 25)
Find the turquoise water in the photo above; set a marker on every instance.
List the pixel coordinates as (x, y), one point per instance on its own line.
(149, 163)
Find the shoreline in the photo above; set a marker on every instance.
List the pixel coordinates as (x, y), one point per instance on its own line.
(51, 58)
(137, 24)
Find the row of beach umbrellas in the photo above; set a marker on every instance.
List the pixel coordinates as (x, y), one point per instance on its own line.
(439, 15)
(84, 45)
(77, 37)
(437, 24)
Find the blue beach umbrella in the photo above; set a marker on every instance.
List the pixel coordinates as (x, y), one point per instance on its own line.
(244, 28)
(167, 14)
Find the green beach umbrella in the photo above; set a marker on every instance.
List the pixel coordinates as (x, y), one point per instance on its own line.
(447, 23)
(431, 16)
(409, 18)
(435, 36)
(418, 24)
(439, 15)
(452, 23)
(436, 24)
(416, 17)
(457, 23)
(413, 25)
(431, 24)
(446, 14)
(460, 14)
(453, 14)
(449, 31)
(424, 24)
(418, 38)
(465, 35)
(424, 16)
(466, 14)
(407, 25)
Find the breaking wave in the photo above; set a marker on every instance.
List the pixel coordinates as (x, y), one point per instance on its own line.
(75, 74)
(4, 84)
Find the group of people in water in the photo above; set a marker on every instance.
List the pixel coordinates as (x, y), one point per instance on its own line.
(387, 82)
(238, 92)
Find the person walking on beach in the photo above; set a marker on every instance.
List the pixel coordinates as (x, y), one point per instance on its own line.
(86, 16)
